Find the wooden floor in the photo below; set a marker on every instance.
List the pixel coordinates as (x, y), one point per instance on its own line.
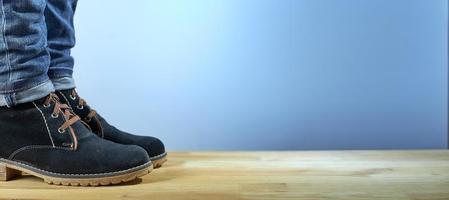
(335, 175)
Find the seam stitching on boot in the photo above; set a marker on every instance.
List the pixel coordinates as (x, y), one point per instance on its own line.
(158, 156)
(13, 154)
(106, 173)
(46, 125)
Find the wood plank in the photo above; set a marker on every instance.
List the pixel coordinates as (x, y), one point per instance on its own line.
(269, 175)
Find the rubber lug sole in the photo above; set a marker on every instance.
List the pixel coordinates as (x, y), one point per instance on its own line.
(159, 160)
(12, 169)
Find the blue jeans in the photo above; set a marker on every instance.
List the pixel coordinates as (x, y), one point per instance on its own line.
(36, 39)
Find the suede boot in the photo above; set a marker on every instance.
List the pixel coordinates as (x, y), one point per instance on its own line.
(46, 139)
(154, 147)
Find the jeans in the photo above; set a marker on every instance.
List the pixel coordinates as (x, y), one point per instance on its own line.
(36, 39)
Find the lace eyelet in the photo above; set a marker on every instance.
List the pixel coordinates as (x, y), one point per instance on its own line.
(88, 119)
(54, 115)
(61, 130)
(72, 97)
(80, 107)
(46, 105)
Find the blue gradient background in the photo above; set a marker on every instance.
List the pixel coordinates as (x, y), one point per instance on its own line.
(268, 74)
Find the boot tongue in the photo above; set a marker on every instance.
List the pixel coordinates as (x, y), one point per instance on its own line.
(66, 93)
(80, 130)
(66, 97)
(72, 98)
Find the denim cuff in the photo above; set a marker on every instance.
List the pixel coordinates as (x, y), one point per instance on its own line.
(63, 83)
(28, 95)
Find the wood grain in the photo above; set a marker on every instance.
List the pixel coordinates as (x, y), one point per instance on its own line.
(269, 175)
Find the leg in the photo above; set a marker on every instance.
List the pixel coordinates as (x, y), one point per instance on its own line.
(24, 59)
(61, 39)
(41, 136)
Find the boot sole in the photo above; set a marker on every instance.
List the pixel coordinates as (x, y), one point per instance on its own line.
(159, 160)
(10, 169)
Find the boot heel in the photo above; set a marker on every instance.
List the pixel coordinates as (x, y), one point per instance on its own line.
(7, 173)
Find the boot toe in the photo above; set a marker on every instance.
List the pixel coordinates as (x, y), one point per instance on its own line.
(153, 146)
(134, 156)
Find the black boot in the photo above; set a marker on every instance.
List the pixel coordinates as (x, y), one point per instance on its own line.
(154, 147)
(46, 139)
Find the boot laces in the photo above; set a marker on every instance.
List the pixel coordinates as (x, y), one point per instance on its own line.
(83, 103)
(91, 115)
(64, 110)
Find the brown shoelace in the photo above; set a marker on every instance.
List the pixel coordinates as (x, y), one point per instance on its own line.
(69, 116)
(91, 115)
(81, 104)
